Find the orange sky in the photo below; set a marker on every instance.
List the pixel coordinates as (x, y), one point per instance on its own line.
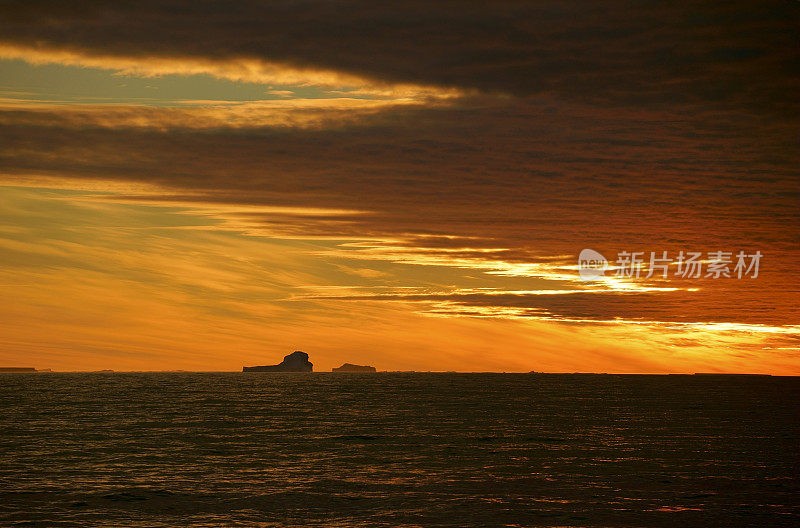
(203, 204)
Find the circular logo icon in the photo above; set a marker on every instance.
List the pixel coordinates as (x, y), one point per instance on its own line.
(591, 265)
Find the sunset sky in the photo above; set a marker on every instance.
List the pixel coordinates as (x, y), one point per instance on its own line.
(206, 185)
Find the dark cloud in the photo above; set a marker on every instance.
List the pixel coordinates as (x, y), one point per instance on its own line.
(682, 306)
(739, 54)
(529, 172)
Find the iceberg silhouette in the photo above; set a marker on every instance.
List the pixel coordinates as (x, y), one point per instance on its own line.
(297, 361)
(349, 367)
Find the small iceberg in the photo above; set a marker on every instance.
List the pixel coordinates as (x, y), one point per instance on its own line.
(349, 367)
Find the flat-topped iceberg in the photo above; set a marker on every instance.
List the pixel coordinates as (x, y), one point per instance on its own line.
(349, 367)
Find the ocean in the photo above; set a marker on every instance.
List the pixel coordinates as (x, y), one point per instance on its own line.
(397, 450)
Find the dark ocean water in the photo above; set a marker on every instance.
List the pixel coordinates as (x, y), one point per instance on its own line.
(428, 450)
